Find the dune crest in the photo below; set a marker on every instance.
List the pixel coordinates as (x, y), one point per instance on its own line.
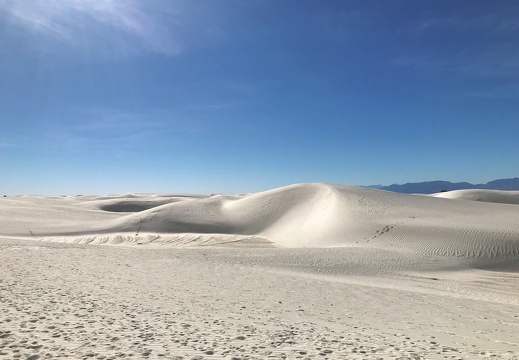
(324, 271)
(493, 196)
(301, 215)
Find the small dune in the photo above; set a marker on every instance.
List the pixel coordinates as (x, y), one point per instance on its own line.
(493, 196)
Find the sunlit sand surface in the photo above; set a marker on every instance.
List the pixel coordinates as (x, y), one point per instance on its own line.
(309, 271)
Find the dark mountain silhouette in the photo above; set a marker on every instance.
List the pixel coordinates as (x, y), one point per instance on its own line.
(430, 187)
(503, 184)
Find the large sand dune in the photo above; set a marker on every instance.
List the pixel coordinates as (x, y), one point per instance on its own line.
(308, 271)
(303, 215)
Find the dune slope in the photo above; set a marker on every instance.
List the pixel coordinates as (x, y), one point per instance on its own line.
(493, 196)
(302, 215)
(328, 271)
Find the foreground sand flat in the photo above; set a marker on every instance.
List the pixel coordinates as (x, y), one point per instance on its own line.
(105, 302)
(311, 271)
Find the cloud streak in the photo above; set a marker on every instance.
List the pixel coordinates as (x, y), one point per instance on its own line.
(102, 129)
(105, 120)
(477, 44)
(495, 23)
(499, 60)
(6, 145)
(126, 27)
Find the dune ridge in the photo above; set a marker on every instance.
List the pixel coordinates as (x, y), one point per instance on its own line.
(301, 215)
(304, 271)
(493, 196)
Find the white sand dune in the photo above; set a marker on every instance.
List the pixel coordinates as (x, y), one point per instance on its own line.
(493, 196)
(308, 271)
(303, 215)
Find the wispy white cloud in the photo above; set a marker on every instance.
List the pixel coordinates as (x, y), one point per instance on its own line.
(109, 120)
(501, 61)
(105, 129)
(478, 44)
(222, 95)
(498, 60)
(6, 144)
(70, 139)
(215, 106)
(492, 23)
(335, 24)
(116, 27)
(501, 92)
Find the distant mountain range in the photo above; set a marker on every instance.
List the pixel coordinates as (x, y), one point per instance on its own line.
(431, 187)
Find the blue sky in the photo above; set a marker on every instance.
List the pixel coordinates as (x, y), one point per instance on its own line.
(114, 96)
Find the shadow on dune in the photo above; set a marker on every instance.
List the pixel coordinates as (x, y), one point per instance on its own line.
(133, 206)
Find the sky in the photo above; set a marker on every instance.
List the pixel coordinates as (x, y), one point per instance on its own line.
(116, 96)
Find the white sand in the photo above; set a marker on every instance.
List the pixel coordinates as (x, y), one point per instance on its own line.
(495, 196)
(305, 271)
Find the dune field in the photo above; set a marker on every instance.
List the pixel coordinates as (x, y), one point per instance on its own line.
(307, 271)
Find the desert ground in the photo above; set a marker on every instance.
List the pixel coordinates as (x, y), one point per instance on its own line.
(308, 271)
